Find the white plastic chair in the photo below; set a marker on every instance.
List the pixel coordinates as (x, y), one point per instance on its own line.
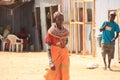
(15, 43)
(3, 42)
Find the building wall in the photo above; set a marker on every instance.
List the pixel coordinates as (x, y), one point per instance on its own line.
(102, 10)
(44, 3)
(101, 13)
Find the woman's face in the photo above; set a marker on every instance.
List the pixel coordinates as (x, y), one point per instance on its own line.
(59, 20)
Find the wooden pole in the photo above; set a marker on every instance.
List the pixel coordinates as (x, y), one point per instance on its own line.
(93, 29)
(84, 30)
(51, 11)
(75, 28)
(61, 5)
(70, 13)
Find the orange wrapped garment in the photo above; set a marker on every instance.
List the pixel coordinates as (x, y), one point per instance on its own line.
(61, 60)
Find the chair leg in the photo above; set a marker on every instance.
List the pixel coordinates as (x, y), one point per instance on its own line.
(10, 46)
(3, 46)
(13, 48)
(21, 47)
(17, 47)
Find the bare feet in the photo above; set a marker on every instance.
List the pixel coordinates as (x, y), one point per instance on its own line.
(105, 68)
(109, 68)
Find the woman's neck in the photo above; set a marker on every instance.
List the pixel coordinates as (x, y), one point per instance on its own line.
(59, 27)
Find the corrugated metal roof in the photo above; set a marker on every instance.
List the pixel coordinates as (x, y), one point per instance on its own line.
(12, 5)
(6, 2)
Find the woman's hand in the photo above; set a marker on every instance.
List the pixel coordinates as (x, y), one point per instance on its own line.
(63, 45)
(52, 66)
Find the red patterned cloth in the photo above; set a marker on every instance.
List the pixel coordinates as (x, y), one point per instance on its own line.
(57, 37)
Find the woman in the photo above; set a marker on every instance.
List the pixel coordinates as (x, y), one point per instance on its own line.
(57, 39)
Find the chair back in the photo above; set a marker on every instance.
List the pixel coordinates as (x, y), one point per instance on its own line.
(15, 42)
(13, 39)
(1, 38)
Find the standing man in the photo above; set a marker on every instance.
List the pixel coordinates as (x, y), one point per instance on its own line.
(108, 30)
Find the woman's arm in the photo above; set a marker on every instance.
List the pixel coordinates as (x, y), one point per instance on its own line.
(50, 57)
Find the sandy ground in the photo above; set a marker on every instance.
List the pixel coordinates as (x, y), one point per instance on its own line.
(32, 66)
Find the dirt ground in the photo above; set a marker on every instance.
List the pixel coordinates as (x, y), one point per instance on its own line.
(32, 66)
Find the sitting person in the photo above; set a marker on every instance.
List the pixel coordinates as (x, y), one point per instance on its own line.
(6, 32)
(25, 36)
(1, 38)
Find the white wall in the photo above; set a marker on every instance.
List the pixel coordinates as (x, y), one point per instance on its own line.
(37, 3)
(102, 7)
(101, 14)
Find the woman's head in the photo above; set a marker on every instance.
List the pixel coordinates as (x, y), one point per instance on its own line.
(58, 18)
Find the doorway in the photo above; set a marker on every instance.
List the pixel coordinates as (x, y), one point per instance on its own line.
(38, 24)
(49, 15)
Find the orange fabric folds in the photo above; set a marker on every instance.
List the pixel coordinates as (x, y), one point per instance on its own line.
(61, 60)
